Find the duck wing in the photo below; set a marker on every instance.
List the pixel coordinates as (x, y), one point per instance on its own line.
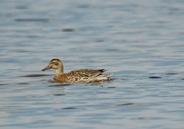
(84, 75)
(88, 72)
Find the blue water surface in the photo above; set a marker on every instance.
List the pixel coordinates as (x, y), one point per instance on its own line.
(139, 42)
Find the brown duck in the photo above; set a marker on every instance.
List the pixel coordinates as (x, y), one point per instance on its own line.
(76, 76)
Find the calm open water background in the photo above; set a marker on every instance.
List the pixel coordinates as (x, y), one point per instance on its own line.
(140, 42)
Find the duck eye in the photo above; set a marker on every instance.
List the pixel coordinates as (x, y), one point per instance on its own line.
(55, 63)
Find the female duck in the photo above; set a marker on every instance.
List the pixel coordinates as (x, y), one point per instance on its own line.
(76, 76)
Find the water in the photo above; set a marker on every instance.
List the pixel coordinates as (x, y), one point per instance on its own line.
(140, 43)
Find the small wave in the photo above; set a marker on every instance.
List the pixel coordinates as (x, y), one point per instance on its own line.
(35, 75)
(68, 30)
(155, 77)
(31, 20)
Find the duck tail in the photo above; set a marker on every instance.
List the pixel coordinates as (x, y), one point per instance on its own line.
(101, 70)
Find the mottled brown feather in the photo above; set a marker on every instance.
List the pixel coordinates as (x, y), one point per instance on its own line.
(81, 75)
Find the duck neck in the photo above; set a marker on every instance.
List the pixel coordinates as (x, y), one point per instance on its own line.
(59, 71)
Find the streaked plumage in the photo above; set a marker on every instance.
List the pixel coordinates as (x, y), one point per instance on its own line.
(76, 76)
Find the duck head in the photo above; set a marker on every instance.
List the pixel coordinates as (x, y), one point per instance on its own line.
(56, 65)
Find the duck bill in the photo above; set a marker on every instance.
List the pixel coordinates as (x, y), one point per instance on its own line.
(46, 68)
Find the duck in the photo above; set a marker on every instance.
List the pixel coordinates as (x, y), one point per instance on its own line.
(76, 76)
